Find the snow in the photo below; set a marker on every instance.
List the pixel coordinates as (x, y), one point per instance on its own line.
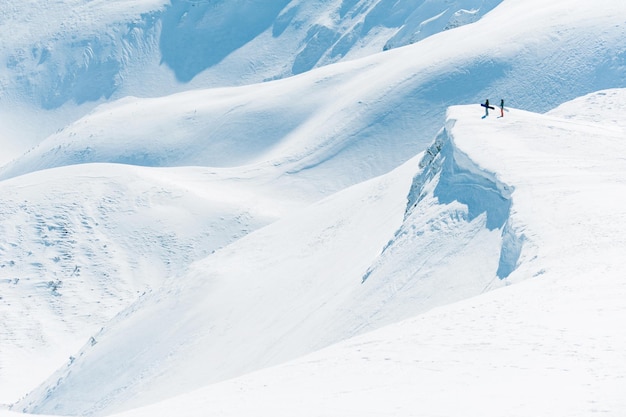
(495, 352)
(68, 56)
(552, 344)
(81, 244)
(487, 356)
(304, 224)
(497, 54)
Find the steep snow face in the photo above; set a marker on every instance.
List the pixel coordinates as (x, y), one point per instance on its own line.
(580, 162)
(81, 51)
(199, 35)
(306, 35)
(71, 50)
(60, 58)
(455, 210)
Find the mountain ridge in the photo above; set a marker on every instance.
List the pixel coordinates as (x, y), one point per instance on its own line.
(182, 240)
(387, 295)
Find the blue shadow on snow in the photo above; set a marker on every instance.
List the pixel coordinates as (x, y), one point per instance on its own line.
(481, 194)
(199, 35)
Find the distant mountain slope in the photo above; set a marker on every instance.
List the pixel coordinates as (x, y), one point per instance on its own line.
(390, 104)
(61, 57)
(80, 50)
(304, 35)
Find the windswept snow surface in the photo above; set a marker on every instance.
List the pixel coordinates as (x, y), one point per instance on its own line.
(534, 55)
(553, 344)
(169, 236)
(528, 194)
(81, 243)
(61, 58)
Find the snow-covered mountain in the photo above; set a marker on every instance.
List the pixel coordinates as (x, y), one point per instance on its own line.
(556, 338)
(67, 56)
(551, 345)
(194, 191)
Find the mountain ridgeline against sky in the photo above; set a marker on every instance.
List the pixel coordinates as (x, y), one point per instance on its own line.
(293, 207)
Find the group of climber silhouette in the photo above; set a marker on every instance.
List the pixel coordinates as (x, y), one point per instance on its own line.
(487, 107)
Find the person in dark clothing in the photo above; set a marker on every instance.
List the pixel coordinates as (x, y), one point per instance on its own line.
(486, 108)
(501, 107)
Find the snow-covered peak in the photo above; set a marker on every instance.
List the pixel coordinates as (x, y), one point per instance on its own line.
(492, 203)
(331, 107)
(82, 50)
(318, 207)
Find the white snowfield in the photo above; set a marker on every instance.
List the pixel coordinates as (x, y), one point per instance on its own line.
(553, 343)
(257, 232)
(67, 56)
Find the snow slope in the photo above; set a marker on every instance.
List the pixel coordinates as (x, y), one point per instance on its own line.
(61, 58)
(319, 117)
(350, 231)
(304, 285)
(80, 244)
(560, 328)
